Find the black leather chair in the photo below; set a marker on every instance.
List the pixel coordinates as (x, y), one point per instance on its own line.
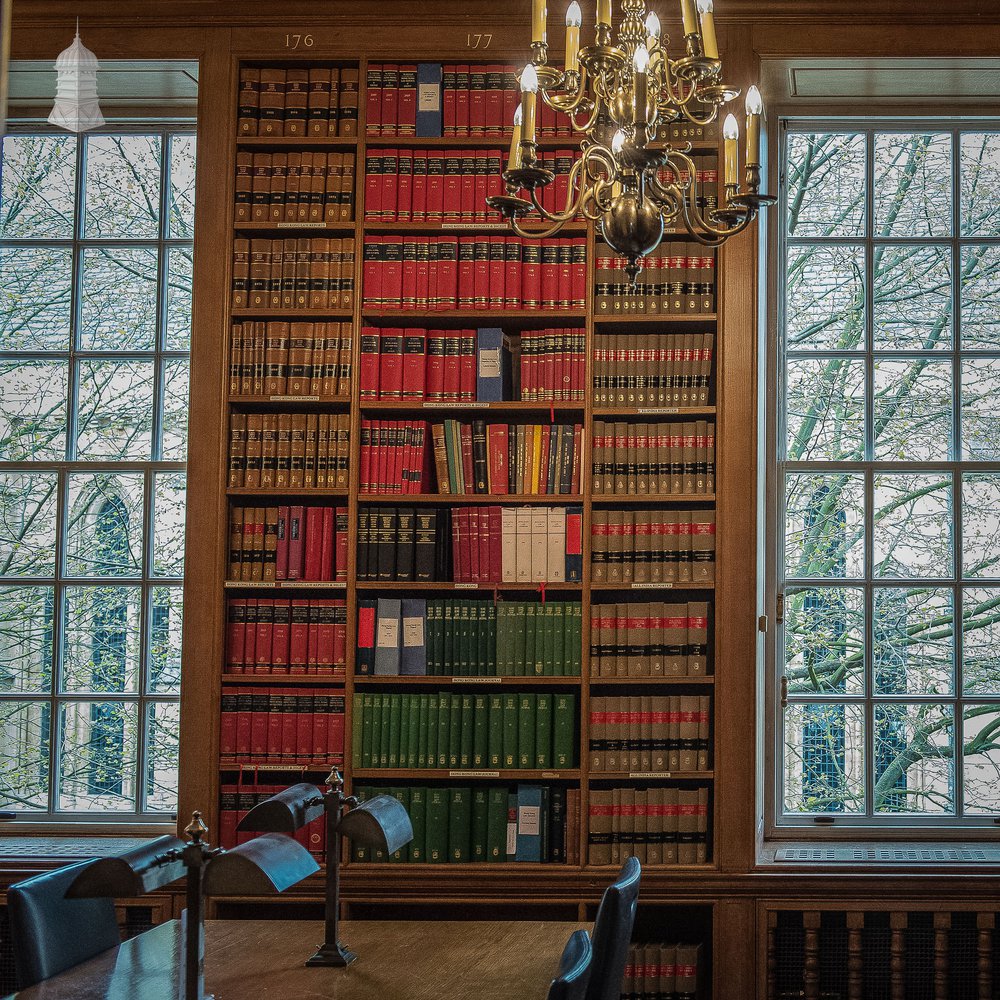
(613, 932)
(574, 969)
(51, 933)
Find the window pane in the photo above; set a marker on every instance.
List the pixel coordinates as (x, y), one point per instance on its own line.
(97, 756)
(980, 410)
(115, 415)
(980, 290)
(824, 640)
(101, 641)
(912, 184)
(911, 308)
(181, 189)
(122, 187)
(163, 723)
(980, 731)
(35, 285)
(913, 648)
(826, 185)
(105, 530)
(824, 298)
(824, 758)
(24, 754)
(824, 525)
(119, 299)
(26, 625)
(165, 626)
(912, 526)
(912, 412)
(38, 179)
(981, 525)
(168, 524)
(33, 416)
(825, 409)
(980, 183)
(28, 526)
(914, 764)
(175, 410)
(981, 640)
(178, 319)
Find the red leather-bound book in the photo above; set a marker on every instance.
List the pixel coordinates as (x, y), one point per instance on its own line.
(313, 543)
(479, 207)
(409, 296)
(452, 364)
(227, 723)
(496, 163)
(390, 379)
(365, 468)
(459, 536)
(564, 295)
(273, 724)
(236, 628)
(511, 99)
(280, 635)
(250, 638)
(497, 272)
(328, 536)
(531, 275)
(390, 99)
(513, 254)
(396, 482)
(473, 543)
(485, 544)
(392, 271)
(496, 123)
(305, 718)
(244, 721)
(477, 99)
(389, 167)
(335, 737)
(550, 274)
(462, 85)
(368, 378)
(414, 366)
(452, 190)
(298, 638)
(448, 101)
(467, 368)
(312, 648)
(467, 274)
(446, 296)
(465, 441)
(423, 271)
(408, 99)
(435, 185)
(227, 815)
(435, 362)
(373, 184)
(380, 454)
(404, 185)
(373, 271)
(468, 188)
(579, 249)
(296, 548)
(339, 636)
(265, 625)
(319, 727)
(496, 447)
(419, 184)
(373, 83)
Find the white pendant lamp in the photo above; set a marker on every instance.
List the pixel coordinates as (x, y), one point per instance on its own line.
(76, 107)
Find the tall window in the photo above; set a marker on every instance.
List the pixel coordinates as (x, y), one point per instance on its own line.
(886, 509)
(95, 316)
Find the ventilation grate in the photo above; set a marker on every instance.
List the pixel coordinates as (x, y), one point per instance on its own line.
(889, 855)
(65, 847)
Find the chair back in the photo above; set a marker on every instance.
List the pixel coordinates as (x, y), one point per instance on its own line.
(613, 932)
(574, 969)
(51, 933)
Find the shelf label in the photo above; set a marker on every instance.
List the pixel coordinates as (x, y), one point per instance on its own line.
(476, 680)
(651, 586)
(473, 774)
(441, 405)
(466, 586)
(551, 774)
(302, 225)
(658, 409)
(476, 227)
(255, 584)
(650, 774)
(294, 399)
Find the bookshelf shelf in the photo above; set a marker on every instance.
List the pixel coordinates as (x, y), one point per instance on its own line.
(268, 402)
(659, 319)
(483, 774)
(498, 141)
(465, 682)
(458, 317)
(232, 764)
(448, 499)
(662, 498)
(461, 408)
(345, 228)
(290, 491)
(325, 142)
(669, 585)
(653, 411)
(378, 227)
(652, 775)
(280, 680)
(285, 585)
(652, 681)
(291, 314)
(460, 587)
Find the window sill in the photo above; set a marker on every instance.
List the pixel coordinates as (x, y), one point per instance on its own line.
(962, 855)
(72, 841)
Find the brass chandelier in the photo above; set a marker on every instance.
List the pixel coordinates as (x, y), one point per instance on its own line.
(617, 94)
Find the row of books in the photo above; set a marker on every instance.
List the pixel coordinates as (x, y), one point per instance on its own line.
(661, 826)
(298, 101)
(296, 637)
(662, 972)
(289, 450)
(307, 273)
(652, 369)
(473, 365)
(294, 187)
(649, 639)
(636, 459)
(461, 732)
(299, 359)
(468, 638)
(492, 272)
(489, 823)
(287, 543)
(653, 734)
(652, 546)
(281, 724)
(236, 800)
(679, 279)
(392, 106)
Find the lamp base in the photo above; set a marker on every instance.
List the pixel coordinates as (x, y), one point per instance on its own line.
(332, 955)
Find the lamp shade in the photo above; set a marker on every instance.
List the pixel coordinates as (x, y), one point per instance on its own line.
(133, 873)
(76, 107)
(270, 863)
(382, 822)
(285, 812)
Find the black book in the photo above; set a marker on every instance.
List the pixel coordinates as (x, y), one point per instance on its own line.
(424, 544)
(442, 546)
(405, 517)
(385, 543)
(557, 826)
(364, 542)
(479, 461)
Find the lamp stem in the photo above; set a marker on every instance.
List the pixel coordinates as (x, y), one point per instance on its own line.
(194, 937)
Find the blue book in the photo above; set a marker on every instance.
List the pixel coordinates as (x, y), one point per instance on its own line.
(489, 364)
(387, 628)
(529, 823)
(429, 100)
(413, 658)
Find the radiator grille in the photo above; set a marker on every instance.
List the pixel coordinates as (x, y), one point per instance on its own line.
(889, 855)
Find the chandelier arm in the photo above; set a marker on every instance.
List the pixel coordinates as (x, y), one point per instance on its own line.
(535, 234)
(565, 102)
(591, 121)
(703, 231)
(573, 198)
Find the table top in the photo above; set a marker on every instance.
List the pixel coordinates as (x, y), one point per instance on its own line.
(404, 959)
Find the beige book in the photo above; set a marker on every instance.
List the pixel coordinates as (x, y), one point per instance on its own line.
(281, 478)
(626, 826)
(687, 826)
(640, 835)
(633, 634)
(667, 970)
(702, 826)
(598, 727)
(688, 732)
(669, 812)
(296, 475)
(697, 639)
(642, 460)
(508, 544)
(599, 546)
(628, 546)
(556, 544)
(615, 545)
(343, 450)
(663, 457)
(256, 545)
(657, 536)
(710, 458)
(674, 638)
(705, 368)
(268, 450)
(344, 361)
(237, 449)
(657, 613)
(703, 744)
(522, 535)
(613, 738)
(539, 528)
(598, 458)
(634, 734)
(599, 830)
(673, 733)
(616, 826)
(619, 461)
(643, 551)
(689, 458)
(309, 460)
(686, 965)
(645, 733)
(701, 455)
(621, 650)
(654, 828)
(323, 456)
(683, 546)
(702, 540)
(254, 431)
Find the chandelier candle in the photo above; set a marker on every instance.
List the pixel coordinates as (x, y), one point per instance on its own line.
(709, 42)
(641, 63)
(604, 12)
(529, 91)
(538, 16)
(574, 18)
(689, 16)
(755, 107)
(652, 31)
(514, 158)
(731, 135)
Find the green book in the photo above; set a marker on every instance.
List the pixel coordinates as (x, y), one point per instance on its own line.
(525, 730)
(480, 822)
(357, 729)
(468, 732)
(432, 637)
(519, 624)
(403, 796)
(385, 730)
(480, 731)
(361, 852)
(502, 660)
(436, 825)
(448, 646)
(430, 732)
(483, 639)
(543, 731)
(536, 665)
(510, 730)
(459, 825)
(450, 433)
(494, 743)
(444, 728)
(376, 729)
(395, 729)
(404, 730)
(473, 668)
(574, 640)
(564, 731)
(527, 665)
(462, 660)
(559, 640)
(368, 713)
(455, 731)
(418, 820)
(496, 825)
(491, 640)
(548, 640)
(413, 730)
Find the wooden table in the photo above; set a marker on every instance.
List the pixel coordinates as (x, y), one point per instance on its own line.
(397, 960)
